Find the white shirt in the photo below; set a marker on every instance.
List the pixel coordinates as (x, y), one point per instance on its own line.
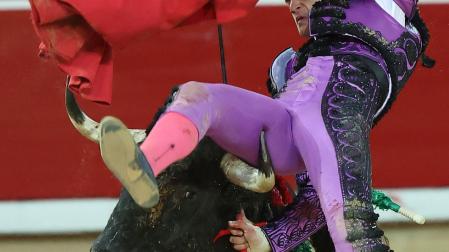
(393, 9)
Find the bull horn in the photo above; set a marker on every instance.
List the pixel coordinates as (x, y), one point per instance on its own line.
(85, 125)
(240, 173)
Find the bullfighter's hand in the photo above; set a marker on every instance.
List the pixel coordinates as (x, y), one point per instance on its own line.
(245, 235)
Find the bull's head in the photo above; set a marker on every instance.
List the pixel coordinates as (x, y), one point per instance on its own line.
(238, 172)
(196, 201)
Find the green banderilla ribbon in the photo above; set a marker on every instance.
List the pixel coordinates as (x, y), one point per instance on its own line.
(383, 202)
(306, 246)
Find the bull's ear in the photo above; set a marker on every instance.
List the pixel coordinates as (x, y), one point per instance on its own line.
(240, 173)
(84, 124)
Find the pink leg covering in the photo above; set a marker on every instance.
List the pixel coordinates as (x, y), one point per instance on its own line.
(171, 139)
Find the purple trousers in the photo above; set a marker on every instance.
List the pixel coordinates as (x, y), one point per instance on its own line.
(296, 133)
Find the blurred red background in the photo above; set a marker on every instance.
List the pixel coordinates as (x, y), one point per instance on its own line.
(44, 157)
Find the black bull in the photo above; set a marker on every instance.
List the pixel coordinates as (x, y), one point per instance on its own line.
(196, 203)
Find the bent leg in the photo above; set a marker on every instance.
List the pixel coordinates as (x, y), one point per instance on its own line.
(332, 130)
(233, 118)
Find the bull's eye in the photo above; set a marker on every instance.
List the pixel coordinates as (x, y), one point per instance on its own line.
(190, 195)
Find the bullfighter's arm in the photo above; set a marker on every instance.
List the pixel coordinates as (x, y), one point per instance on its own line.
(300, 220)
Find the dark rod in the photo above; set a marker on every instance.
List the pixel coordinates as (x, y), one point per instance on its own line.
(222, 55)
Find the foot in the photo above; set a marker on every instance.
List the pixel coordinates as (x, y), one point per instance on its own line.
(127, 162)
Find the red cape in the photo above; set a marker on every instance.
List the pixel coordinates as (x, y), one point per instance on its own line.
(80, 34)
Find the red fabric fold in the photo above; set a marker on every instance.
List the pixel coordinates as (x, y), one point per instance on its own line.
(80, 34)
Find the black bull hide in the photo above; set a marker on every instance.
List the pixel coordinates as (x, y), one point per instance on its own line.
(196, 202)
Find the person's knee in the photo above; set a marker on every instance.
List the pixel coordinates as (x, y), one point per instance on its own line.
(191, 92)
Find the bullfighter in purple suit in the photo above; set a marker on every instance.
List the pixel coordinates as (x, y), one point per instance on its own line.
(328, 96)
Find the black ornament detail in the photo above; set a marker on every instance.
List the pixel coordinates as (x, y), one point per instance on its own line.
(348, 107)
